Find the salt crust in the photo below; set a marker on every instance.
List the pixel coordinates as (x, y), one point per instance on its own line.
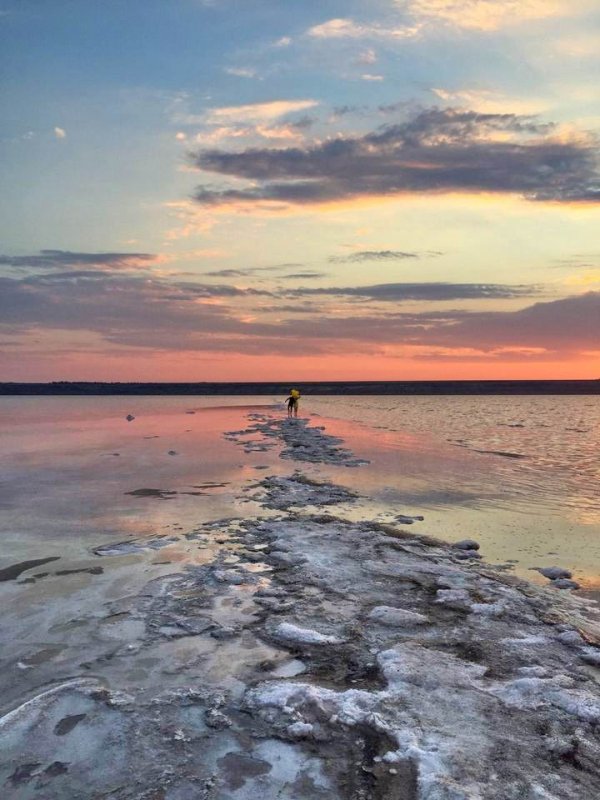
(396, 617)
(40, 701)
(292, 633)
(432, 751)
(403, 668)
(558, 691)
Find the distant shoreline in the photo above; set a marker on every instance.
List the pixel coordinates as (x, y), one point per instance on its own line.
(538, 387)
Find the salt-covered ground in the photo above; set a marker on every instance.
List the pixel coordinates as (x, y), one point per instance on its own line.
(305, 655)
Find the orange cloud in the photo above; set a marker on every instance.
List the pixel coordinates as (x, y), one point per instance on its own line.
(257, 112)
(491, 102)
(340, 28)
(490, 15)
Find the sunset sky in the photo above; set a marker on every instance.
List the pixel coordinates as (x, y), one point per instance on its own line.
(292, 190)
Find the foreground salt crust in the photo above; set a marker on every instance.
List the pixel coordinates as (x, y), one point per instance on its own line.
(423, 677)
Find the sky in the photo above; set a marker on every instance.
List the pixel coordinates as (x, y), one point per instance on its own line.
(281, 190)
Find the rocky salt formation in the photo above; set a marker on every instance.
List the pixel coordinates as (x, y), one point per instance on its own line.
(315, 657)
(559, 578)
(301, 442)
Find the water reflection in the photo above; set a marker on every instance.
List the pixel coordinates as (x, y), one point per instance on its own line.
(539, 511)
(543, 451)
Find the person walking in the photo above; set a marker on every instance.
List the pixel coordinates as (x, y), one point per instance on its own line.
(293, 402)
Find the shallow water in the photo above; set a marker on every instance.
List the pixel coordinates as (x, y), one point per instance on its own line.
(69, 465)
(78, 477)
(519, 474)
(547, 448)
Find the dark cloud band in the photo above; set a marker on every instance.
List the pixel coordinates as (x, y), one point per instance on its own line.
(66, 259)
(438, 150)
(423, 291)
(130, 310)
(380, 255)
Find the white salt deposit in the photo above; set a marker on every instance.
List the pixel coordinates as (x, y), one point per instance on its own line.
(40, 701)
(300, 729)
(292, 633)
(396, 617)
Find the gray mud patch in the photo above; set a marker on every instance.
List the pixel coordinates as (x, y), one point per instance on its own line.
(211, 485)
(68, 723)
(502, 453)
(170, 494)
(13, 572)
(162, 494)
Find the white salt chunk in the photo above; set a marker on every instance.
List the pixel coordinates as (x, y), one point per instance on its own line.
(396, 617)
(292, 633)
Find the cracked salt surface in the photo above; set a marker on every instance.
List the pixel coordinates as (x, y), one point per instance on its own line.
(423, 677)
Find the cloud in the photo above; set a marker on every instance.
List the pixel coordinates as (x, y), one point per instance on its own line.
(438, 150)
(489, 15)
(218, 135)
(342, 111)
(228, 273)
(589, 278)
(303, 123)
(571, 323)
(60, 133)
(247, 271)
(65, 259)
(241, 72)
(304, 275)
(340, 28)
(367, 76)
(257, 112)
(129, 310)
(379, 255)
(491, 102)
(395, 292)
(469, 354)
(291, 130)
(578, 261)
(368, 56)
(108, 303)
(133, 310)
(474, 15)
(581, 45)
(302, 307)
(249, 123)
(566, 327)
(395, 108)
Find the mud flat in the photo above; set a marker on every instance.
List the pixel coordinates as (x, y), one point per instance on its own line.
(316, 657)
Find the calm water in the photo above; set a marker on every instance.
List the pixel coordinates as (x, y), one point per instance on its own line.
(545, 449)
(519, 474)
